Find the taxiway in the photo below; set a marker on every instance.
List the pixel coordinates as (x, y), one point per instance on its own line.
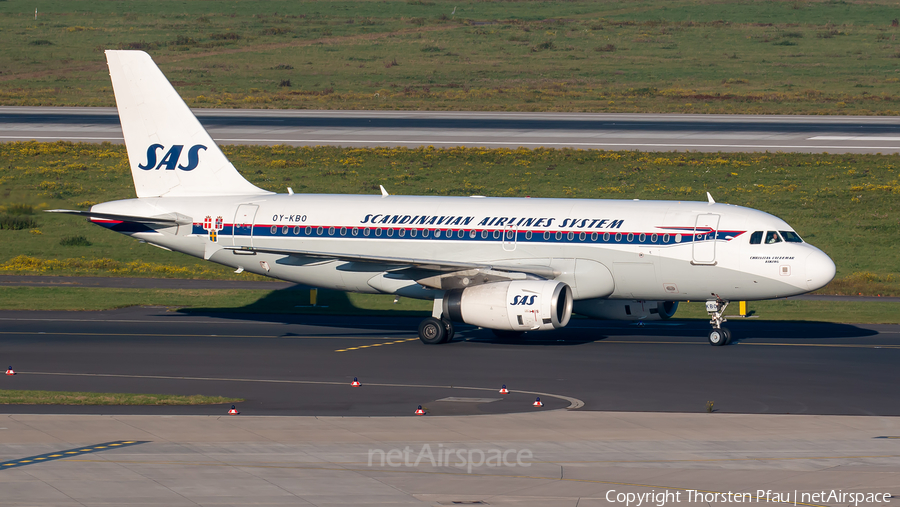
(303, 365)
(643, 132)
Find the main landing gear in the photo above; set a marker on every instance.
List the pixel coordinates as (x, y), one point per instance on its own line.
(719, 335)
(433, 331)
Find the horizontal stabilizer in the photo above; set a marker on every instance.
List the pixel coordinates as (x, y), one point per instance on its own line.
(168, 218)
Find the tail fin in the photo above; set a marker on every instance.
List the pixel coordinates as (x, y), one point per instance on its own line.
(170, 153)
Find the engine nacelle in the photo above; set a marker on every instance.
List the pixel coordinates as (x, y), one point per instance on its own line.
(626, 310)
(521, 305)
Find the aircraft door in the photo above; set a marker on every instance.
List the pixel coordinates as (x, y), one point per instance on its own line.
(705, 238)
(510, 235)
(244, 219)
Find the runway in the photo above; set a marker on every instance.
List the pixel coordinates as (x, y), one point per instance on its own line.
(643, 132)
(303, 365)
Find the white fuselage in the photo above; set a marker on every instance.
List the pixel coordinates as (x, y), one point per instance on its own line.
(616, 249)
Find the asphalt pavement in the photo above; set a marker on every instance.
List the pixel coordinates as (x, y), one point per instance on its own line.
(644, 132)
(303, 365)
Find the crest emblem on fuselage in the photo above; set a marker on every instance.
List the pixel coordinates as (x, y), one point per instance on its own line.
(213, 227)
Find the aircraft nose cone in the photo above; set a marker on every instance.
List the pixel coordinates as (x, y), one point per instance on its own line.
(820, 270)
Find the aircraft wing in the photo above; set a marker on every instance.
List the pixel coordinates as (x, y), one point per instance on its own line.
(442, 266)
(168, 218)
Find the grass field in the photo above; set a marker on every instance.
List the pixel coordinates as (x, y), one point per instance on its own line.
(13, 397)
(699, 56)
(844, 204)
(215, 300)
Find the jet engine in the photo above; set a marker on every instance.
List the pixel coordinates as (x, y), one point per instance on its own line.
(626, 310)
(520, 305)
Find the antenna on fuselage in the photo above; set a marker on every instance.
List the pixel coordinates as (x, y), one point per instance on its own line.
(711, 200)
(383, 191)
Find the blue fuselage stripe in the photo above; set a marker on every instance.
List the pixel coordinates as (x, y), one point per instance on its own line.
(469, 235)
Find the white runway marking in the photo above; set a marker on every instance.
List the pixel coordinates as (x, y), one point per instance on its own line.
(58, 138)
(637, 145)
(382, 142)
(853, 138)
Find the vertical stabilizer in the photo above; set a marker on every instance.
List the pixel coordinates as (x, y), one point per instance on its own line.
(170, 153)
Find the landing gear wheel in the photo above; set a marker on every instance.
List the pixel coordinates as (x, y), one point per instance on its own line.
(507, 335)
(718, 337)
(432, 331)
(448, 331)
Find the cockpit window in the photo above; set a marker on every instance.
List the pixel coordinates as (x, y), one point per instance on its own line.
(756, 238)
(791, 236)
(772, 237)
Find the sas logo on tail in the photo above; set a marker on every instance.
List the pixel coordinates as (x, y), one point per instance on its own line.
(523, 301)
(170, 159)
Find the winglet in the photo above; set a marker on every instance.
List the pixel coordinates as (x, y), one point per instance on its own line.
(383, 191)
(711, 200)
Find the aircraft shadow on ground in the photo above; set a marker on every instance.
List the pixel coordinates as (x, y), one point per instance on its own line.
(586, 331)
(334, 309)
(293, 306)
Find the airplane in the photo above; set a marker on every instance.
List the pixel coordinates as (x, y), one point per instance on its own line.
(512, 265)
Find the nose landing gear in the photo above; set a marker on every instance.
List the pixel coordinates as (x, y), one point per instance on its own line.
(719, 335)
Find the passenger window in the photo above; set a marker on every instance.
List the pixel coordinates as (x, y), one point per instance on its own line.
(756, 238)
(772, 238)
(791, 236)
